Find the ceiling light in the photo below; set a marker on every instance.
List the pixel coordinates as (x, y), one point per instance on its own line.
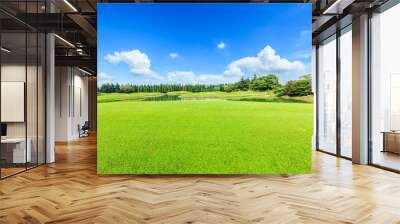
(84, 71)
(64, 40)
(333, 6)
(337, 7)
(5, 50)
(79, 51)
(70, 5)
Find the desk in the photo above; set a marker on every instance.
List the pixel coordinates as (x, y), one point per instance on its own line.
(391, 141)
(18, 150)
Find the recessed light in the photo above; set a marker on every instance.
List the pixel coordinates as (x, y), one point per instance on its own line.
(84, 71)
(70, 5)
(5, 50)
(64, 40)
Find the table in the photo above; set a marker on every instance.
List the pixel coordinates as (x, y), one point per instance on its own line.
(391, 141)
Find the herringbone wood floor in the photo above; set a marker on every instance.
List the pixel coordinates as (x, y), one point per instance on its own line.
(69, 191)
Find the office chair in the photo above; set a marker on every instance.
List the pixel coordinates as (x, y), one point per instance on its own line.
(84, 130)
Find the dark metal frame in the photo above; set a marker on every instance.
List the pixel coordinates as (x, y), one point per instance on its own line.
(338, 76)
(338, 33)
(369, 81)
(316, 97)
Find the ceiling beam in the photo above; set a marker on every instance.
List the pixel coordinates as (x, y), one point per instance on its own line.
(78, 61)
(84, 24)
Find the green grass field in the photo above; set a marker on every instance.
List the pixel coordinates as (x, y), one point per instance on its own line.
(234, 136)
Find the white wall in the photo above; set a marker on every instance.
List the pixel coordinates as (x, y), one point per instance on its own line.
(71, 102)
(17, 73)
(62, 82)
(14, 72)
(80, 110)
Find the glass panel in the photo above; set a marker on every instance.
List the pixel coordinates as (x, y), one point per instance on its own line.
(31, 99)
(13, 88)
(32, 88)
(386, 89)
(346, 92)
(41, 99)
(327, 95)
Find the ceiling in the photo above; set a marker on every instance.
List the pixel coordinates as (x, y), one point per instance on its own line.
(73, 21)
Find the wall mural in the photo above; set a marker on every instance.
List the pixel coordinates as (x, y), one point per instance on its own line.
(204, 88)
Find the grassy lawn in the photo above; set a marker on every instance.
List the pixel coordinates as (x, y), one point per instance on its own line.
(237, 95)
(202, 137)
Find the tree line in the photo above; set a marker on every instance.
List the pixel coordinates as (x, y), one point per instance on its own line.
(270, 82)
(158, 88)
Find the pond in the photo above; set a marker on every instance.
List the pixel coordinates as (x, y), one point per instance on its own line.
(163, 98)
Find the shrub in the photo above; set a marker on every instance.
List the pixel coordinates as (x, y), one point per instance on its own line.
(229, 88)
(279, 91)
(263, 83)
(301, 87)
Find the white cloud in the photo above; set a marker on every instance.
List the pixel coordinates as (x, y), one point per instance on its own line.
(266, 61)
(221, 45)
(138, 62)
(189, 77)
(301, 55)
(103, 77)
(173, 55)
(305, 33)
(215, 79)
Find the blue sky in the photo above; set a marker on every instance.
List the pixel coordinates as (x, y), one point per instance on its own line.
(202, 43)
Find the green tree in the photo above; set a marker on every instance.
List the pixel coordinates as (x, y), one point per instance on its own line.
(243, 84)
(301, 87)
(279, 91)
(263, 83)
(254, 77)
(229, 88)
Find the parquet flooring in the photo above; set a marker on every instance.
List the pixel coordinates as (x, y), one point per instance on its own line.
(70, 191)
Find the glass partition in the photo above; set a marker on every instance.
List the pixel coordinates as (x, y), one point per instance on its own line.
(41, 97)
(31, 99)
(327, 95)
(385, 89)
(14, 153)
(22, 77)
